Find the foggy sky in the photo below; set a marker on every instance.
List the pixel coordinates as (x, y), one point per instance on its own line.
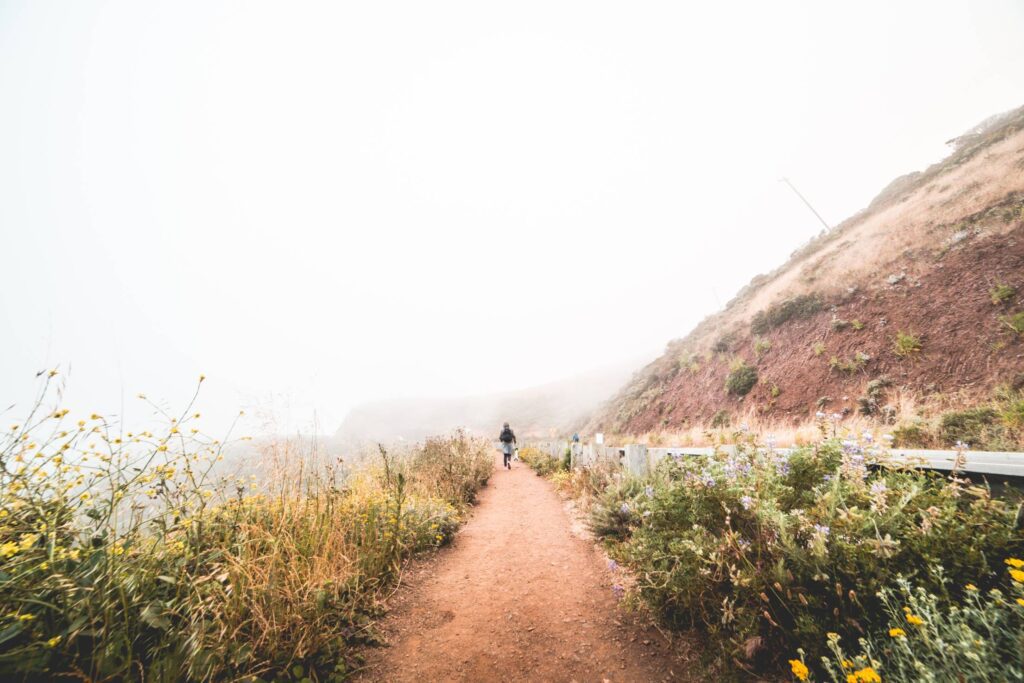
(320, 204)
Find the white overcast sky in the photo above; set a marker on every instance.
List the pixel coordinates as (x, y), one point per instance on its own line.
(319, 204)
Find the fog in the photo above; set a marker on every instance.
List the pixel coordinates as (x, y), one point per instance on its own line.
(320, 205)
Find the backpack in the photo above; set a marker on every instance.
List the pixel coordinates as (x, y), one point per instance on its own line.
(507, 436)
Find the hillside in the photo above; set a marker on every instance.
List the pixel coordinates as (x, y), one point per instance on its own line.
(936, 260)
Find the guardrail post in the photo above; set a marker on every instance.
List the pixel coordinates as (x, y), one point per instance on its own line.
(636, 460)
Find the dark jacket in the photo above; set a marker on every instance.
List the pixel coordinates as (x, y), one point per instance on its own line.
(507, 436)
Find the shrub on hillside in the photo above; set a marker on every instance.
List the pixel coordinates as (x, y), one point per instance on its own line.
(906, 344)
(1014, 322)
(1001, 293)
(849, 365)
(762, 346)
(911, 434)
(966, 426)
(723, 343)
(803, 306)
(741, 379)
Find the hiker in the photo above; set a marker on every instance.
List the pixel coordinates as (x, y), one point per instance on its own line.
(508, 440)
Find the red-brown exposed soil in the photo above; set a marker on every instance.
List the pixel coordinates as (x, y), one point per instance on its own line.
(966, 349)
(520, 596)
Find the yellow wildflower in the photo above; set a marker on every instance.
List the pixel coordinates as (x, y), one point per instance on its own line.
(1020, 601)
(914, 620)
(971, 587)
(1014, 562)
(897, 633)
(117, 549)
(868, 675)
(799, 669)
(53, 642)
(847, 664)
(26, 617)
(8, 549)
(1018, 575)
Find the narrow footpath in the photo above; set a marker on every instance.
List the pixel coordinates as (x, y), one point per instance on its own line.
(520, 596)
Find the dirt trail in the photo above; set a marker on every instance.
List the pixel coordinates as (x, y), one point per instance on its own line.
(519, 597)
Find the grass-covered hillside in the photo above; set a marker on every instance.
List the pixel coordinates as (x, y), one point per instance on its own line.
(908, 314)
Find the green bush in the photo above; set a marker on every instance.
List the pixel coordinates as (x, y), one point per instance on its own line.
(767, 553)
(906, 344)
(849, 365)
(818, 348)
(721, 420)
(972, 426)
(1015, 322)
(741, 379)
(803, 306)
(1001, 293)
(618, 509)
(762, 346)
(723, 343)
(911, 435)
(542, 463)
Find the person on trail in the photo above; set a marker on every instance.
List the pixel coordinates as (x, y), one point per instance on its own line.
(508, 441)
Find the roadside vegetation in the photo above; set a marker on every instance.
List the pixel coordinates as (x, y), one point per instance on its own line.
(130, 555)
(828, 562)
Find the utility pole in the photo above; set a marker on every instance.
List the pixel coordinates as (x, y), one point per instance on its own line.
(804, 200)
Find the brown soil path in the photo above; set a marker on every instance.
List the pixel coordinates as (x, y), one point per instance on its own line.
(519, 597)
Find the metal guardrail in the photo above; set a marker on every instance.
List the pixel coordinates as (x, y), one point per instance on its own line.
(638, 458)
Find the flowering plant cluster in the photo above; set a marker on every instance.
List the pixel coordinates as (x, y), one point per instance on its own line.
(133, 555)
(767, 550)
